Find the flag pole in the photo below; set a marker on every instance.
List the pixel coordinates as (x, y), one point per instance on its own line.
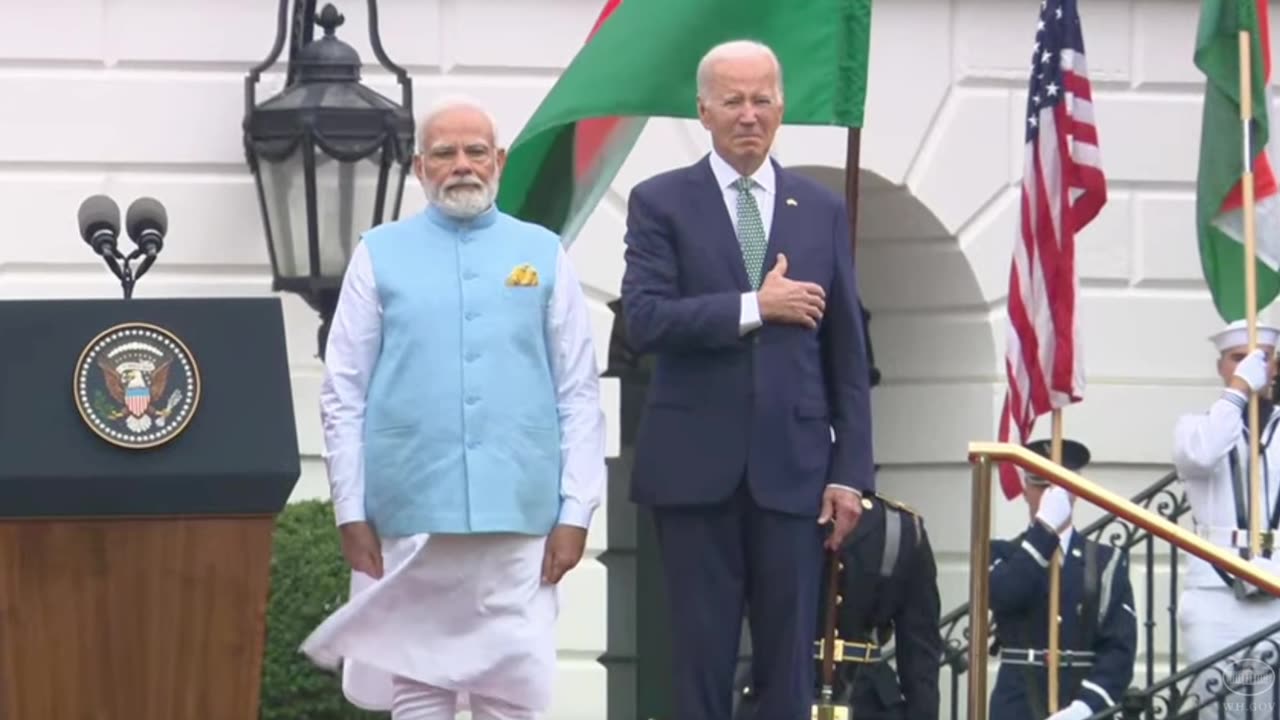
(1250, 284)
(1055, 579)
(852, 168)
(825, 708)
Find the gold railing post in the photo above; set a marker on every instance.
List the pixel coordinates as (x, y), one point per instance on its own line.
(980, 559)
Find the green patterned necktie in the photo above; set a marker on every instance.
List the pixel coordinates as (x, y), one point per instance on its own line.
(750, 231)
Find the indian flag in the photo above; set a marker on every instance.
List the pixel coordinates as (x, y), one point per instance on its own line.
(1219, 186)
(640, 60)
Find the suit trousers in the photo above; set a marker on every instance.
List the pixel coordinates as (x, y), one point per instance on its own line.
(718, 561)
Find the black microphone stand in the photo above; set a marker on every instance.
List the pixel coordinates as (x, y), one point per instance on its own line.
(122, 267)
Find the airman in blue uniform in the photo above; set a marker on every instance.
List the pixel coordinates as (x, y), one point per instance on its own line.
(1097, 624)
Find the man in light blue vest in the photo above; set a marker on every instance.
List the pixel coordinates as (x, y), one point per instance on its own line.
(464, 443)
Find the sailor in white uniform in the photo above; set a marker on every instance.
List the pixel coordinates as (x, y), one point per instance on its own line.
(464, 442)
(1211, 456)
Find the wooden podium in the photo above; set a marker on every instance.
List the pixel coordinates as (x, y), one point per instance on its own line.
(135, 561)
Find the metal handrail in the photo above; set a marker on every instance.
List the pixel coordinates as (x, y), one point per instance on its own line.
(1174, 700)
(960, 611)
(982, 455)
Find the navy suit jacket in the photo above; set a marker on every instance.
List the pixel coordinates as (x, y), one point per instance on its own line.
(723, 406)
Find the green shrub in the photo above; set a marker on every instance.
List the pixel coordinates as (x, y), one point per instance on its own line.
(309, 580)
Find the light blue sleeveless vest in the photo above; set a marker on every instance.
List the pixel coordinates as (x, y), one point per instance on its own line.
(462, 434)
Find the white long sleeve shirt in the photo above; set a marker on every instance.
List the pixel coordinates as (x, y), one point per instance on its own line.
(355, 338)
(1201, 455)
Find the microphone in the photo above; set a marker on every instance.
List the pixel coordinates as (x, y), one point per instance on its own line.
(99, 218)
(147, 224)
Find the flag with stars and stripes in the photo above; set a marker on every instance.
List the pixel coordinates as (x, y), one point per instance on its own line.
(1063, 189)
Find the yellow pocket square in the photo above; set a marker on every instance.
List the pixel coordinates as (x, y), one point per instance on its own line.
(523, 276)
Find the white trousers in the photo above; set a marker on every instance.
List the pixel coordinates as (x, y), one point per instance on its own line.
(415, 701)
(1210, 619)
(467, 614)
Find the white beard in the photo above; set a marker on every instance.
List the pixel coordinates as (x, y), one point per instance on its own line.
(463, 199)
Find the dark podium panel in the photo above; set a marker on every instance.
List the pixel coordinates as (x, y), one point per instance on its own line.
(133, 582)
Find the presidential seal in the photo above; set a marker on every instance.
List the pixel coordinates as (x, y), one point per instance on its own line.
(136, 386)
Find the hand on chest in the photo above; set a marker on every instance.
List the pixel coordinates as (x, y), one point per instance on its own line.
(741, 249)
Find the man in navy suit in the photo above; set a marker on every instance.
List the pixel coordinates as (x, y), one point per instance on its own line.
(756, 437)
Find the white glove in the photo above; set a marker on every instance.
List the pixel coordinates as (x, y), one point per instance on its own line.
(1077, 710)
(1055, 508)
(1244, 589)
(1253, 370)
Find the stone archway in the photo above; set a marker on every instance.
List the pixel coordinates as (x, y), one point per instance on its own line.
(938, 215)
(932, 330)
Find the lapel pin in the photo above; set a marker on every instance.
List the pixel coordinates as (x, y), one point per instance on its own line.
(792, 202)
(1075, 552)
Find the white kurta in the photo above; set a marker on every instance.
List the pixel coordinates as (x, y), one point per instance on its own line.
(1210, 617)
(464, 613)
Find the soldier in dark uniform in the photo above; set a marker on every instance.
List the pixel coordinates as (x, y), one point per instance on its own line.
(1098, 626)
(888, 590)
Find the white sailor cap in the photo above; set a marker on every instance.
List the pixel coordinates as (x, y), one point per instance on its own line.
(1236, 335)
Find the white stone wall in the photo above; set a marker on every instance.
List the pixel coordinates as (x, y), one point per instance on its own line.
(132, 98)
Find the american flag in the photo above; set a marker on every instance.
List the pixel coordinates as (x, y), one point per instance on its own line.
(1063, 188)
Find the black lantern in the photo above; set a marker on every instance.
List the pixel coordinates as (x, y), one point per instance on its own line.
(329, 156)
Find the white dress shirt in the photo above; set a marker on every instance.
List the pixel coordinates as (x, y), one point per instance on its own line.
(764, 190)
(355, 337)
(1064, 540)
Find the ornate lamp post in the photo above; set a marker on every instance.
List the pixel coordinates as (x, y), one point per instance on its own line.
(329, 156)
